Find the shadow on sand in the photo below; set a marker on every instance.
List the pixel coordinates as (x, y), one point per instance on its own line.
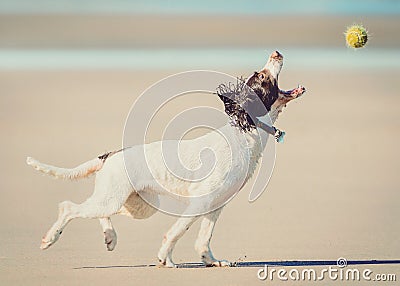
(256, 264)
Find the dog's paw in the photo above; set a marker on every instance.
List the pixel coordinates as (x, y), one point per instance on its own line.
(165, 258)
(166, 263)
(45, 244)
(219, 263)
(110, 239)
(48, 240)
(208, 259)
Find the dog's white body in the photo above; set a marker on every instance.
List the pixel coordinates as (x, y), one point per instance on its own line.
(235, 162)
(233, 156)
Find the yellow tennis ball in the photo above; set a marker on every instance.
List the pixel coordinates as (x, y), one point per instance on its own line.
(356, 36)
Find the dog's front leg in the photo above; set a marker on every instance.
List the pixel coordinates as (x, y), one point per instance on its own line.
(202, 244)
(170, 239)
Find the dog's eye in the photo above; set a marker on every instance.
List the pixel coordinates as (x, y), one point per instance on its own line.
(261, 76)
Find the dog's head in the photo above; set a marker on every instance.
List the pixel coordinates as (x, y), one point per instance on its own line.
(265, 82)
(258, 95)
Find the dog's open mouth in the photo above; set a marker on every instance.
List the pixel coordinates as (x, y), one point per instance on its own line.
(294, 93)
(297, 92)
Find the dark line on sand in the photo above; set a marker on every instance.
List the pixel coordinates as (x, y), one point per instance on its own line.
(257, 264)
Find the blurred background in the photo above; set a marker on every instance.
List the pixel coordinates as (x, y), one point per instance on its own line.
(137, 35)
(70, 70)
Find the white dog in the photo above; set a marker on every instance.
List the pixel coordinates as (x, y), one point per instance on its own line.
(114, 193)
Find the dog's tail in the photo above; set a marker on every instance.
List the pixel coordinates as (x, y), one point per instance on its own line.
(82, 171)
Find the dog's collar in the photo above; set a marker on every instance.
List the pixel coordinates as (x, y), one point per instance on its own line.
(278, 134)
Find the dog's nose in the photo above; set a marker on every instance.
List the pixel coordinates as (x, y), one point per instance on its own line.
(276, 54)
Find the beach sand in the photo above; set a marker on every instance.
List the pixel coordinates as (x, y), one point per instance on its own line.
(334, 191)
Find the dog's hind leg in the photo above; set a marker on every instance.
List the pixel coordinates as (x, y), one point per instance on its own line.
(202, 244)
(64, 216)
(91, 208)
(110, 236)
(170, 239)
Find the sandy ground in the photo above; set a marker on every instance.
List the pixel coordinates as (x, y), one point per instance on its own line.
(334, 192)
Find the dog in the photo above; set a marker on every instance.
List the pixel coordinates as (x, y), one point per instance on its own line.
(235, 164)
